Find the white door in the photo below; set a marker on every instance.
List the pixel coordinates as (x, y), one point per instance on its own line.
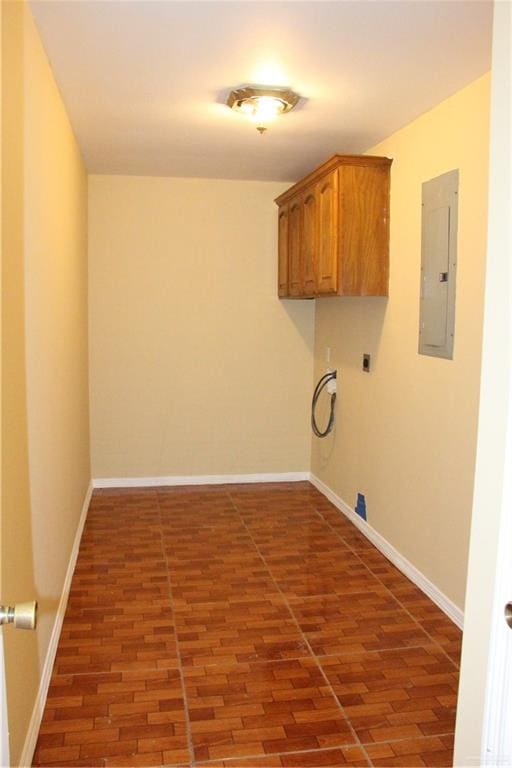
(484, 717)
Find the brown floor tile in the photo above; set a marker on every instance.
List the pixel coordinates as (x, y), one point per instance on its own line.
(435, 623)
(101, 639)
(263, 708)
(202, 617)
(360, 621)
(306, 538)
(226, 584)
(352, 756)
(332, 571)
(394, 695)
(385, 571)
(236, 631)
(348, 532)
(111, 716)
(436, 751)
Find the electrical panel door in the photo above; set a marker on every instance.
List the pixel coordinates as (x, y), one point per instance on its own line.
(438, 265)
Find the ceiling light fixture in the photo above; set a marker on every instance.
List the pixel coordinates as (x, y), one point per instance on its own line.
(262, 105)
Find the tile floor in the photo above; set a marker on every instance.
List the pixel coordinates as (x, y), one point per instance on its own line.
(244, 626)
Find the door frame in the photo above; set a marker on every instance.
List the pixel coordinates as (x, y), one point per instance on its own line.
(4, 728)
(483, 735)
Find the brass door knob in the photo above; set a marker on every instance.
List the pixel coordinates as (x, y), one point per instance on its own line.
(22, 615)
(508, 614)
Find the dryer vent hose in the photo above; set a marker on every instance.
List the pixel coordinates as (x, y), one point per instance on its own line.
(326, 378)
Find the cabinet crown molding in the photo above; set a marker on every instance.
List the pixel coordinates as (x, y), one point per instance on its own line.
(330, 165)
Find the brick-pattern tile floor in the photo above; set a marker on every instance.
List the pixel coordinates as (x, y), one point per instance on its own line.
(244, 626)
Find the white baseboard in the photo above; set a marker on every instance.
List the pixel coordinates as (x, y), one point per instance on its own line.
(148, 482)
(408, 569)
(37, 713)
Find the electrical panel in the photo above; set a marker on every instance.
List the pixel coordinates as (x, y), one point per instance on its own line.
(438, 265)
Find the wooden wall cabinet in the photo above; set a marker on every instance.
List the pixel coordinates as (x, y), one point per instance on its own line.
(334, 230)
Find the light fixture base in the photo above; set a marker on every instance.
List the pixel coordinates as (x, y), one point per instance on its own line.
(250, 92)
(262, 103)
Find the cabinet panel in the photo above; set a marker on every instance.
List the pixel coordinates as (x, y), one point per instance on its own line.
(283, 252)
(295, 279)
(365, 239)
(309, 242)
(327, 233)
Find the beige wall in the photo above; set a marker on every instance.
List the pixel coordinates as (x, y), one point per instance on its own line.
(45, 413)
(196, 367)
(406, 432)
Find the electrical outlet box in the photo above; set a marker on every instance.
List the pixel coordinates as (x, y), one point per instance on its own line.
(360, 508)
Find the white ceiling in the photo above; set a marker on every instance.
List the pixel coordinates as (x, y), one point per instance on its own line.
(144, 80)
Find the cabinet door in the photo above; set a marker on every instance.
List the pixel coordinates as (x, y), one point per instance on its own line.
(309, 241)
(364, 259)
(295, 278)
(327, 233)
(282, 288)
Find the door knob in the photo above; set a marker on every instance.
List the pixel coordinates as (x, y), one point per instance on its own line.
(22, 615)
(508, 614)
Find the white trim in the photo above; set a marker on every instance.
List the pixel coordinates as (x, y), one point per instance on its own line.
(148, 482)
(40, 702)
(4, 731)
(496, 744)
(439, 598)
